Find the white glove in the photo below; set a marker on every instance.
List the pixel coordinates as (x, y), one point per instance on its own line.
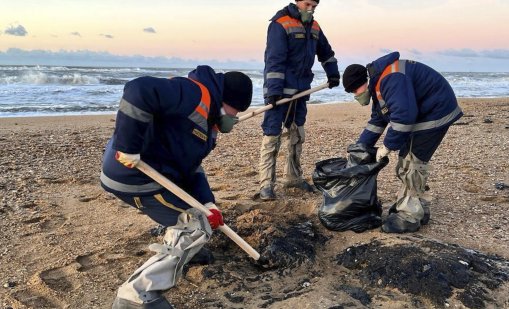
(382, 152)
(210, 205)
(129, 160)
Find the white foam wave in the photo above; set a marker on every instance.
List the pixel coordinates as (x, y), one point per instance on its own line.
(40, 78)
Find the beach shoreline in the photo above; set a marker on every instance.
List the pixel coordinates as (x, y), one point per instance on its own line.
(69, 244)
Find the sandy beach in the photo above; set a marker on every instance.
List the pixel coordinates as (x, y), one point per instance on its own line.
(66, 243)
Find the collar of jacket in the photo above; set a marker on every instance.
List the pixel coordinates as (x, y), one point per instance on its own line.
(376, 68)
(214, 83)
(293, 11)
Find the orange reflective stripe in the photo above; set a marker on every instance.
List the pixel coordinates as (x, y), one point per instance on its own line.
(288, 22)
(205, 99)
(316, 26)
(201, 111)
(393, 67)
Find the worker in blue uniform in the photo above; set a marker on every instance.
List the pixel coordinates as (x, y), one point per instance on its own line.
(418, 106)
(172, 125)
(294, 39)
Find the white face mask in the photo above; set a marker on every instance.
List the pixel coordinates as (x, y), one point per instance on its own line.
(363, 98)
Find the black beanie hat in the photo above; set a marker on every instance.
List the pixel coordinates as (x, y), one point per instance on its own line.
(238, 90)
(355, 75)
(317, 1)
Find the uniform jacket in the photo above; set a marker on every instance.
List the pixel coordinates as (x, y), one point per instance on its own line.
(290, 53)
(170, 123)
(409, 96)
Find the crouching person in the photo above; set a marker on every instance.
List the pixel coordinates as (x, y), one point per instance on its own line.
(419, 106)
(172, 125)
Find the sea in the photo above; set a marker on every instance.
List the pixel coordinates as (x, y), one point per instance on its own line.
(27, 91)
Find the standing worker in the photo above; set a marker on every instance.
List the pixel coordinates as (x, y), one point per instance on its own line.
(171, 124)
(419, 106)
(294, 39)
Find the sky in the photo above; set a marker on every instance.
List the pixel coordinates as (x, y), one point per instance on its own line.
(449, 35)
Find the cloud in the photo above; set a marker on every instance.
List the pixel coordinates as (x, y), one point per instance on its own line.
(75, 33)
(18, 30)
(496, 53)
(385, 50)
(465, 52)
(404, 5)
(108, 36)
(149, 30)
(415, 51)
(14, 56)
(470, 53)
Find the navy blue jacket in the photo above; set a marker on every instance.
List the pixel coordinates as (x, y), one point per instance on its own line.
(412, 97)
(162, 120)
(290, 53)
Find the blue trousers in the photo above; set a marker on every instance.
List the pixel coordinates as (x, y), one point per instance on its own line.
(163, 208)
(423, 144)
(275, 117)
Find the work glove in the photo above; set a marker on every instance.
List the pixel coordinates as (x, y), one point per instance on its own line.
(382, 152)
(215, 218)
(333, 81)
(128, 160)
(273, 100)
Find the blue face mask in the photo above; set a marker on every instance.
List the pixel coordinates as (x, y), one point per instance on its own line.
(226, 122)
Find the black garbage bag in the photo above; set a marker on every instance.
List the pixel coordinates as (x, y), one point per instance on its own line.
(349, 187)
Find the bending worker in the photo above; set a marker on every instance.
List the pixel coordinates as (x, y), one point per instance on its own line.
(419, 106)
(172, 125)
(294, 39)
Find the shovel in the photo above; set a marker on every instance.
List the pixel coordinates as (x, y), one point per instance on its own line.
(283, 101)
(165, 182)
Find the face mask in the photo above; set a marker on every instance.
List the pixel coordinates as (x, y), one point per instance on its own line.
(226, 122)
(363, 98)
(306, 16)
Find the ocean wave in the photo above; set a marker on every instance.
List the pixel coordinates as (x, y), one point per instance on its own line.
(113, 81)
(40, 78)
(57, 109)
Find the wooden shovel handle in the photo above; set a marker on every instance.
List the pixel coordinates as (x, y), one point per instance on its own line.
(282, 101)
(168, 184)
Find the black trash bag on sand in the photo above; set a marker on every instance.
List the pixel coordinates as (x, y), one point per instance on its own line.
(349, 187)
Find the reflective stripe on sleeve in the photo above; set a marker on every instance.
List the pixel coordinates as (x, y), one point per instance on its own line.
(289, 91)
(428, 124)
(122, 187)
(331, 59)
(375, 129)
(134, 112)
(275, 75)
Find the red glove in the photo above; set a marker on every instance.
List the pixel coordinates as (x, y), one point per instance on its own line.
(215, 218)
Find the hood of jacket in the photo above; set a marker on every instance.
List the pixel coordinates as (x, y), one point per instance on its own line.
(291, 10)
(214, 83)
(376, 68)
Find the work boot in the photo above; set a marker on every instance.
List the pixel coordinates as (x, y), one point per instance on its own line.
(158, 303)
(425, 208)
(397, 223)
(267, 193)
(302, 185)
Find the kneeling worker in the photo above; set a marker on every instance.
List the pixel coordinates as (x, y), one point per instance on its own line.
(172, 125)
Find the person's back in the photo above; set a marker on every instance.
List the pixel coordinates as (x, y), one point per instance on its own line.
(420, 106)
(170, 124)
(433, 92)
